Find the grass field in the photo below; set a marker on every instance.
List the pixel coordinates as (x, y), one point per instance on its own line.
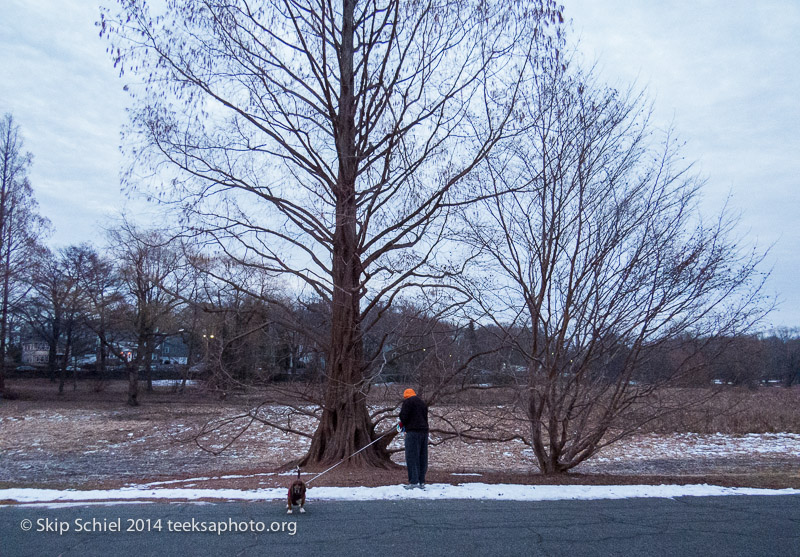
(90, 438)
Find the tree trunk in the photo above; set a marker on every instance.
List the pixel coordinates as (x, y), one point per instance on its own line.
(6, 244)
(101, 356)
(148, 363)
(62, 376)
(546, 452)
(346, 425)
(5, 250)
(4, 316)
(133, 385)
(67, 355)
(52, 355)
(133, 374)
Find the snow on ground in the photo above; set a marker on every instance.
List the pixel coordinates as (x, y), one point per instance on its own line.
(648, 453)
(694, 445)
(634, 453)
(174, 383)
(472, 491)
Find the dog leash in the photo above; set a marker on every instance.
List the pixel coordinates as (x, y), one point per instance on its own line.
(351, 456)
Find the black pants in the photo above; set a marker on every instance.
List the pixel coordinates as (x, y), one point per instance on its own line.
(417, 456)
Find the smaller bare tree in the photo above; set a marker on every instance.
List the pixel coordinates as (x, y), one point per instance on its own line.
(51, 309)
(100, 283)
(154, 276)
(20, 228)
(600, 257)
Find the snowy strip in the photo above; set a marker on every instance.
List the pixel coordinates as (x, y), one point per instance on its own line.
(501, 492)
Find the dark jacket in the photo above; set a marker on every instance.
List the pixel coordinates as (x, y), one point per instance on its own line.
(414, 414)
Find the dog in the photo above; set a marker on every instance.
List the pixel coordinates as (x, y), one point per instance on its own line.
(297, 495)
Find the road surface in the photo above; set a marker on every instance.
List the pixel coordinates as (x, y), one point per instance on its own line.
(708, 526)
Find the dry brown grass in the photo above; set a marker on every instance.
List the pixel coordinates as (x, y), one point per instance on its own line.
(88, 437)
(734, 411)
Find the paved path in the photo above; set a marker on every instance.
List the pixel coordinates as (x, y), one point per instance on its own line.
(708, 526)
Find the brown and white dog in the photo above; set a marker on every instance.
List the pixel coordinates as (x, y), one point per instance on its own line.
(297, 494)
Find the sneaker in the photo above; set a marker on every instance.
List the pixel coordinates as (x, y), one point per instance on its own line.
(411, 486)
(420, 486)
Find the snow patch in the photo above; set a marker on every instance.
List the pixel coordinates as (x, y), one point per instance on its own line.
(470, 491)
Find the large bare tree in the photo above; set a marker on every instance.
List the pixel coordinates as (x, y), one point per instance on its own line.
(326, 141)
(600, 257)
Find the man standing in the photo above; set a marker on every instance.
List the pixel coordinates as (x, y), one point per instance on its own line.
(414, 421)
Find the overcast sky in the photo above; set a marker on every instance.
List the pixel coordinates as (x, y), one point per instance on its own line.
(724, 73)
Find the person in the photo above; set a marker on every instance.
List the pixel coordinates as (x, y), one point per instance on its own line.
(414, 421)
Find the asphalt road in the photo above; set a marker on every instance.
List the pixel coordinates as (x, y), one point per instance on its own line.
(726, 526)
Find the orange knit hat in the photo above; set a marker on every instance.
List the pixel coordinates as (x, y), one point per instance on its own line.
(409, 392)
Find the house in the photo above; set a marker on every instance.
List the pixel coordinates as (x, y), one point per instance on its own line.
(172, 350)
(169, 351)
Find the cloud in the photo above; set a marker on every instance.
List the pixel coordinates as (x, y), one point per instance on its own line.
(723, 72)
(60, 85)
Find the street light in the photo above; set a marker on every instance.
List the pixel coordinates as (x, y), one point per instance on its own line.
(206, 339)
